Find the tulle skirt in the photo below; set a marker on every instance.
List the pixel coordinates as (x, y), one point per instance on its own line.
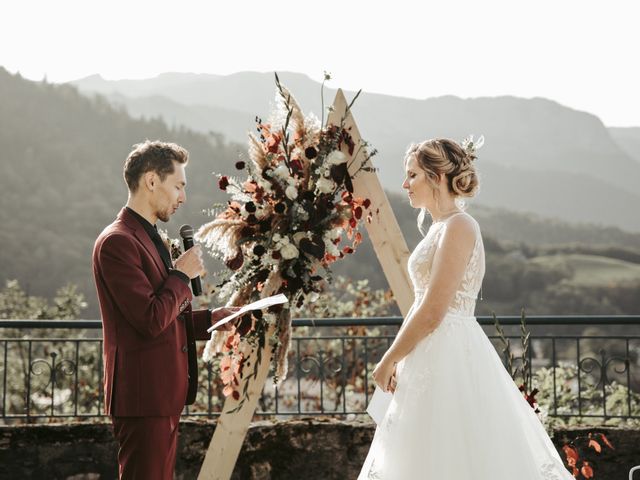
(457, 415)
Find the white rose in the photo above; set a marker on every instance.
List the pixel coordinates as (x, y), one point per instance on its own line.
(336, 158)
(313, 296)
(281, 171)
(289, 251)
(291, 192)
(325, 185)
(299, 236)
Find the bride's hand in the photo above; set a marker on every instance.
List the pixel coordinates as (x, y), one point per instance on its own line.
(384, 375)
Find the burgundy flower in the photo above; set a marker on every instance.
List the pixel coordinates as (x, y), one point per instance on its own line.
(223, 183)
(280, 207)
(259, 250)
(236, 262)
(245, 324)
(296, 165)
(240, 165)
(310, 153)
(367, 203)
(250, 207)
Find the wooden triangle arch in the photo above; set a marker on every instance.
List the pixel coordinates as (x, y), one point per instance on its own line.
(392, 252)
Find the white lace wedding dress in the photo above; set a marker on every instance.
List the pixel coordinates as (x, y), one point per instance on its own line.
(456, 413)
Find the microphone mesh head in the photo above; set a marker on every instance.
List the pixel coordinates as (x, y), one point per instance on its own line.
(186, 231)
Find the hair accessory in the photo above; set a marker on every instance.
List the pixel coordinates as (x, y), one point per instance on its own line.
(470, 147)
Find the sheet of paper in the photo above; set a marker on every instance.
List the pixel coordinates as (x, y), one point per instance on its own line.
(257, 305)
(379, 405)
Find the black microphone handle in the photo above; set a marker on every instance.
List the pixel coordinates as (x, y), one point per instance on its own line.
(196, 285)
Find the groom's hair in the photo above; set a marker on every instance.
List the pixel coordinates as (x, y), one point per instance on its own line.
(152, 156)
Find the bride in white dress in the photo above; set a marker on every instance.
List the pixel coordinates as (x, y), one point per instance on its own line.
(456, 414)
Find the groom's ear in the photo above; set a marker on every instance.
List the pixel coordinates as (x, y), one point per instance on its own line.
(149, 180)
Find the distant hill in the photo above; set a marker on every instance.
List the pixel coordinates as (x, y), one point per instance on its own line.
(539, 156)
(628, 139)
(593, 270)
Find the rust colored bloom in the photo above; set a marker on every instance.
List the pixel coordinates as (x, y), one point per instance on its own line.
(223, 182)
(273, 142)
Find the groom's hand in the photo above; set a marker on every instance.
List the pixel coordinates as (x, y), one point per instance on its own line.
(190, 262)
(221, 312)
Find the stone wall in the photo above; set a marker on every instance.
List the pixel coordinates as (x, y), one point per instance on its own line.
(295, 449)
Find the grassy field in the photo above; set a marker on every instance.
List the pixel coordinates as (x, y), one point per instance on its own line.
(592, 270)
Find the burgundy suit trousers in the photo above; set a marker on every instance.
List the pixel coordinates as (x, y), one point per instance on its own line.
(147, 447)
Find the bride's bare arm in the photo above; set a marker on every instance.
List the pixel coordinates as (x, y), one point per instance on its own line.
(449, 263)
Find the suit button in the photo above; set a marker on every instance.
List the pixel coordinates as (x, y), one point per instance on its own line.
(184, 348)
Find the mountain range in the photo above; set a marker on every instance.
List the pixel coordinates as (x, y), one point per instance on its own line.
(539, 156)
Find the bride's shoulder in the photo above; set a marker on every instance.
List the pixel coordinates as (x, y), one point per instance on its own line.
(462, 222)
(461, 229)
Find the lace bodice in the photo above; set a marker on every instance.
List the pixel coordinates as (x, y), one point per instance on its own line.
(421, 260)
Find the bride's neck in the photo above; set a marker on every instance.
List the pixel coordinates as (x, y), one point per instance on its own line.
(440, 213)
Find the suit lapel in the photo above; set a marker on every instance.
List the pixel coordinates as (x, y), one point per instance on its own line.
(142, 235)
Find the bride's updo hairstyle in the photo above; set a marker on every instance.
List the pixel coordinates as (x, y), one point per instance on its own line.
(455, 161)
(442, 155)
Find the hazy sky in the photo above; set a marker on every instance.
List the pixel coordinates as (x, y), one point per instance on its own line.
(583, 54)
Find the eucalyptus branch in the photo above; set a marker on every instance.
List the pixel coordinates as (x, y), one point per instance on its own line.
(524, 338)
(506, 346)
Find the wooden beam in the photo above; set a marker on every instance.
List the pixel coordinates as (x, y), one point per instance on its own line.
(231, 428)
(384, 231)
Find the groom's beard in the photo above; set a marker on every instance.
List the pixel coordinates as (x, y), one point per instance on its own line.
(165, 215)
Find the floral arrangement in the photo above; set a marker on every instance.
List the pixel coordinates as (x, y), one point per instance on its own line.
(284, 225)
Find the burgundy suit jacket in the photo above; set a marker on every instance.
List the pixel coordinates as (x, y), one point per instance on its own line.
(144, 310)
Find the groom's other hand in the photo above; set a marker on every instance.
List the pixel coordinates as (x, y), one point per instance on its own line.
(221, 312)
(190, 262)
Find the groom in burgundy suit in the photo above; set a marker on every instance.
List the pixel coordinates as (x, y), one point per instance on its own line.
(149, 329)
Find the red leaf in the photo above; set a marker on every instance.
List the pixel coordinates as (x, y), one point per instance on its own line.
(586, 470)
(595, 445)
(606, 441)
(571, 454)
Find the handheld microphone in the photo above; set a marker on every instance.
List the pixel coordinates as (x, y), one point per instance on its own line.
(186, 232)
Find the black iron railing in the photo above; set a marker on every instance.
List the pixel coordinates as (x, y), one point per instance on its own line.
(584, 367)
